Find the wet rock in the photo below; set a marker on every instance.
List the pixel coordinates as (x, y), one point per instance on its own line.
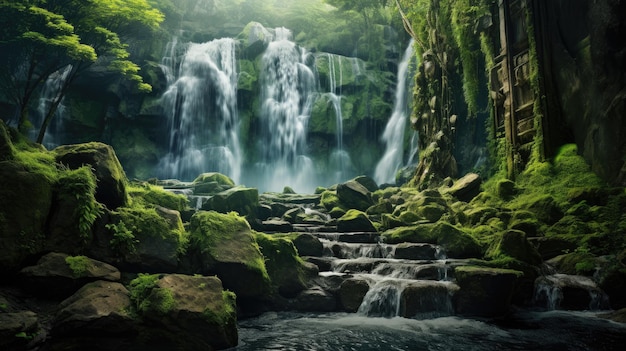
(59, 275)
(466, 188)
(308, 245)
(100, 307)
(569, 292)
(294, 215)
(277, 225)
(239, 199)
(111, 189)
(314, 300)
(223, 244)
(355, 221)
(351, 293)
(411, 251)
(16, 329)
(354, 195)
(427, 299)
(187, 312)
(485, 292)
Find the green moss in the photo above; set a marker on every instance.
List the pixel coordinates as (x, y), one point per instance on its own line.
(148, 298)
(417, 234)
(154, 195)
(36, 160)
(226, 237)
(214, 177)
(227, 314)
(78, 264)
(330, 200)
(284, 265)
(78, 187)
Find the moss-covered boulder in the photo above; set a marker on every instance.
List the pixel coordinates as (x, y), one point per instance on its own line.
(513, 243)
(455, 241)
(141, 239)
(355, 221)
(26, 200)
(286, 269)
(353, 195)
(190, 312)
(212, 183)
(111, 190)
(101, 307)
(59, 275)
(485, 292)
(239, 199)
(545, 208)
(466, 188)
(223, 244)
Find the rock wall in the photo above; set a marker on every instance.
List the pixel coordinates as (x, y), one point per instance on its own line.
(584, 60)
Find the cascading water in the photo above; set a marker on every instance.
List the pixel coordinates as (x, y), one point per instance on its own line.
(339, 158)
(393, 136)
(49, 94)
(201, 104)
(287, 93)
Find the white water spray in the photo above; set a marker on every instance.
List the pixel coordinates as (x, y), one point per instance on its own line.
(287, 87)
(201, 104)
(393, 136)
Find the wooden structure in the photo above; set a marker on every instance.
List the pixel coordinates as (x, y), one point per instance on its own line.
(510, 85)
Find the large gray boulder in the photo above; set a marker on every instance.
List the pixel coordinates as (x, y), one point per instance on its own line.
(100, 307)
(59, 275)
(353, 194)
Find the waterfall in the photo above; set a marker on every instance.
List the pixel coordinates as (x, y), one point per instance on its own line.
(201, 106)
(286, 94)
(339, 158)
(49, 94)
(393, 136)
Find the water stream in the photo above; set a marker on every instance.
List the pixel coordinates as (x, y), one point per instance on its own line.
(201, 106)
(393, 136)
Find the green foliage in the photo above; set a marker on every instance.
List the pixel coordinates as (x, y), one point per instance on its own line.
(80, 184)
(123, 239)
(78, 264)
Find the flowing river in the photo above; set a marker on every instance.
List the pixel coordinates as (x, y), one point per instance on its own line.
(525, 330)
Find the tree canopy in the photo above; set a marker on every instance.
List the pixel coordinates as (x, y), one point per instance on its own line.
(41, 37)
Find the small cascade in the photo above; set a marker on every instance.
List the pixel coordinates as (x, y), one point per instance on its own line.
(201, 106)
(287, 93)
(569, 292)
(393, 136)
(49, 95)
(383, 299)
(339, 157)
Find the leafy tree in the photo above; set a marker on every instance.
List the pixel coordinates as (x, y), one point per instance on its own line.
(44, 36)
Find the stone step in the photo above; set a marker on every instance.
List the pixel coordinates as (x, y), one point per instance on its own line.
(354, 237)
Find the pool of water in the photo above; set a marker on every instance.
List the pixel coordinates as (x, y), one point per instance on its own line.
(525, 330)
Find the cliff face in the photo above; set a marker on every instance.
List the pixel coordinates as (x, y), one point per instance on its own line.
(584, 56)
